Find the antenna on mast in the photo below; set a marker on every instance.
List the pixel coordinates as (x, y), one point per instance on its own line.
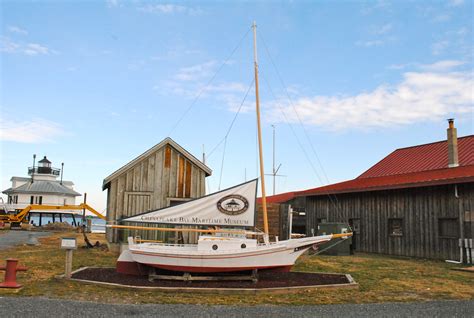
(275, 170)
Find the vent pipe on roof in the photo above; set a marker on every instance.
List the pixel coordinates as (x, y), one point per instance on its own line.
(453, 160)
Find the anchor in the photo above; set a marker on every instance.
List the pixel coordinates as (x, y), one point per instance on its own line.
(10, 273)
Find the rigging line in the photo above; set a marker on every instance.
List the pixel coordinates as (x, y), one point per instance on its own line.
(296, 112)
(335, 203)
(233, 120)
(299, 119)
(222, 163)
(209, 82)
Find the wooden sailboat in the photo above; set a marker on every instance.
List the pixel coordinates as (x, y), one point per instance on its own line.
(228, 250)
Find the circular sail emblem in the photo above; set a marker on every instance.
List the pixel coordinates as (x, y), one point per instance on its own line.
(233, 204)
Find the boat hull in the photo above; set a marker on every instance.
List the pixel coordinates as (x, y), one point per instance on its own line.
(281, 256)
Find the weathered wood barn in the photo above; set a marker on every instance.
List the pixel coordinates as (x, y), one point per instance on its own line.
(417, 201)
(163, 176)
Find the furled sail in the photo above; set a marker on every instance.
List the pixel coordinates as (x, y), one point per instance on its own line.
(230, 207)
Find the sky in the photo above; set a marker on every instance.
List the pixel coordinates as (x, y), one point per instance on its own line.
(94, 84)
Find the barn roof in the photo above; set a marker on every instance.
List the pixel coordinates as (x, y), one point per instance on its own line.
(426, 157)
(164, 142)
(416, 166)
(279, 198)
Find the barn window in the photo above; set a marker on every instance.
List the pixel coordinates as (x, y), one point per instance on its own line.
(469, 216)
(448, 227)
(395, 227)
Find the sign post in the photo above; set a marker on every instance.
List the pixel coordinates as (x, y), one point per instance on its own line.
(69, 244)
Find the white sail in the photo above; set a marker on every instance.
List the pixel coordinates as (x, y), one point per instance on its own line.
(230, 207)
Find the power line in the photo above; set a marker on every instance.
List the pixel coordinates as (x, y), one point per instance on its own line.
(301, 124)
(208, 83)
(294, 108)
(333, 201)
(233, 120)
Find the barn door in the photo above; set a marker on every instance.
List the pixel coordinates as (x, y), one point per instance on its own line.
(137, 202)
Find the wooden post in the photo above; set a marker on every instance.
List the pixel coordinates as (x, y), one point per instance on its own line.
(73, 220)
(68, 263)
(40, 221)
(53, 214)
(84, 211)
(60, 217)
(69, 244)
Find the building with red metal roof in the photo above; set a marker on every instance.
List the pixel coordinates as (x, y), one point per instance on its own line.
(416, 166)
(417, 201)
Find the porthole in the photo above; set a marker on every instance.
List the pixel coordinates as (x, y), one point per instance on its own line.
(214, 247)
(243, 246)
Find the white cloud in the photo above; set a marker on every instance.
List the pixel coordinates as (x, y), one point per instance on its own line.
(36, 49)
(170, 9)
(384, 29)
(18, 30)
(37, 130)
(399, 66)
(419, 97)
(441, 66)
(8, 46)
(31, 49)
(112, 3)
(443, 17)
(455, 3)
(439, 47)
(379, 5)
(195, 72)
(370, 43)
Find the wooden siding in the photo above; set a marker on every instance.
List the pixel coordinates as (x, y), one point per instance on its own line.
(420, 210)
(149, 185)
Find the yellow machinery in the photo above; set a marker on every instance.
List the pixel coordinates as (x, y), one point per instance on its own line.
(21, 216)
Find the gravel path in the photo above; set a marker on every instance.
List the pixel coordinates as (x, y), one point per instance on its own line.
(41, 307)
(13, 237)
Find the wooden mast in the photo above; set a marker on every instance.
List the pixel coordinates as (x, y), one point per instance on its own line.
(259, 130)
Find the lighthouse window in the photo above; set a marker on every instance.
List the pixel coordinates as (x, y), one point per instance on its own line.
(214, 247)
(40, 201)
(32, 199)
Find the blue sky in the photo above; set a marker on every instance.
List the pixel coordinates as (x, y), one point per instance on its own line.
(93, 84)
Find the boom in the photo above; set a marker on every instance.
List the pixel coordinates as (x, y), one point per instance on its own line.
(19, 217)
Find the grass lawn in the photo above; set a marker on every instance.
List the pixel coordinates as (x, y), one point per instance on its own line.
(381, 279)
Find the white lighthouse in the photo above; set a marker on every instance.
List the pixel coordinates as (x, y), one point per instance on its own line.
(41, 187)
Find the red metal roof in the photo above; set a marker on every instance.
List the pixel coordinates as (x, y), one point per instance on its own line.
(279, 198)
(408, 180)
(422, 158)
(417, 166)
